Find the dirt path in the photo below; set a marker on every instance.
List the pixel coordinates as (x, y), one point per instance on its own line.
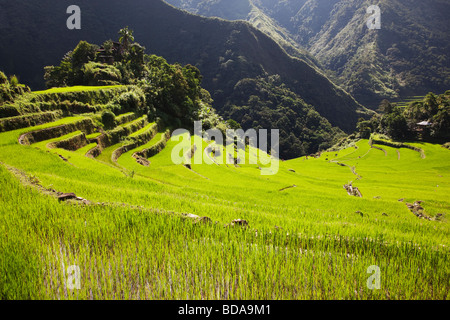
(352, 169)
(381, 149)
(290, 187)
(188, 166)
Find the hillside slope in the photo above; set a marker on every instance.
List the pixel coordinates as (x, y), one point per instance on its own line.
(225, 52)
(407, 56)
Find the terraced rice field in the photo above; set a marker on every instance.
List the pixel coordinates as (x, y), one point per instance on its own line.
(133, 232)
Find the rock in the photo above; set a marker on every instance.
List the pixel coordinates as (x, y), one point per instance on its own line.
(352, 191)
(204, 220)
(191, 216)
(142, 161)
(410, 205)
(67, 196)
(239, 222)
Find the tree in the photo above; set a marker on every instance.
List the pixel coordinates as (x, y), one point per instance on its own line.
(3, 78)
(396, 124)
(364, 128)
(83, 53)
(126, 37)
(431, 104)
(385, 106)
(13, 81)
(108, 119)
(233, 124)
(441, 123)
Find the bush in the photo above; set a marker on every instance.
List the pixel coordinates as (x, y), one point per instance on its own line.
(133, 100)
(108, 119)
(8, 110)
(3, 78)
(96, 74)
(14, 81)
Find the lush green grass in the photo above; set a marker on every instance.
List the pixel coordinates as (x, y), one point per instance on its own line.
(75, 89)
(141, 131)
(137, 245)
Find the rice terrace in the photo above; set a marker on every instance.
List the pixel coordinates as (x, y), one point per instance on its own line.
(141, 227)
(353, 205)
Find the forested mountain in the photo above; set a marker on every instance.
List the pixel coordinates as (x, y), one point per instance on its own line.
(407, 56)
(227, 53)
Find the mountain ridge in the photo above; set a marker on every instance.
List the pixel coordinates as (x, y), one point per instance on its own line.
(406, 57)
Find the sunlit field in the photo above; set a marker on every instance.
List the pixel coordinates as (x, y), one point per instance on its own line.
(133, 235)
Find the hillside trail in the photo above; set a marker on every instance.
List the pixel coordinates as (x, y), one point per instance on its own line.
(349, 187)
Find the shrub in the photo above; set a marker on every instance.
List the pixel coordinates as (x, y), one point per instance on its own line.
(99, 74)
(133, 100)
(108, 119)
(8, 110)
(14, 81)
(3, 78)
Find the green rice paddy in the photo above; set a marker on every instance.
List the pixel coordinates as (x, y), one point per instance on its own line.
(306, 237)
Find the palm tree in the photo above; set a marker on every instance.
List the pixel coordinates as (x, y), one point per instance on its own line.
(126, 36)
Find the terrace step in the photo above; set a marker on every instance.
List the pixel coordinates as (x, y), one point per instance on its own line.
(155, 148)
(138, 138)
(28, 120)
(114, 137)
(85, 125)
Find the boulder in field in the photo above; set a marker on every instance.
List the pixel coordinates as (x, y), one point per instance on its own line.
(191, 216)
(204, 220)
(239, 222)
(67, 196)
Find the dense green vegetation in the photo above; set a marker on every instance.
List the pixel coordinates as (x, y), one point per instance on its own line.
(266, 103)
(173, 90)
(10, 88)
(427, 120)
(407, 56)
(258, 13)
